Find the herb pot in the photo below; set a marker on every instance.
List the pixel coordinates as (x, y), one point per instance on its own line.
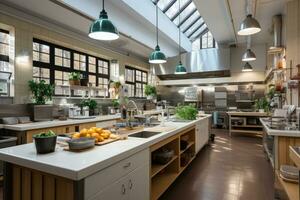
(74, 82)
(84, 82)
(261, 110)
(45, 145)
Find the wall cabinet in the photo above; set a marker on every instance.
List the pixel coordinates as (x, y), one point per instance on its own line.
(202, 134)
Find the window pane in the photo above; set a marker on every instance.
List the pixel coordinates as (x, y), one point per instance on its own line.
(198, 32)
(58, 61)
(162, 4)
(186, 12)
(92, 80)
(4, 38)
(58, 52)
(188, 22)
(193, 27)
(4, 49)
(175, 8)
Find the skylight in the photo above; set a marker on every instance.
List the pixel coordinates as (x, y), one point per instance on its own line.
(192, 24)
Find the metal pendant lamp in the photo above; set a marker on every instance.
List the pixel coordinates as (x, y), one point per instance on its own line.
(157, 57)
(103, 28)
(249, 55)
(250, 25)
(247, 67)
(180, 68)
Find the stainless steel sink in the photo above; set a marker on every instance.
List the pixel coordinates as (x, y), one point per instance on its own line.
(144, 134)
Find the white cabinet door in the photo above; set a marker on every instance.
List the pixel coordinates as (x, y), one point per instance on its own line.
(202, 134)
(115, 191)
(138, 184)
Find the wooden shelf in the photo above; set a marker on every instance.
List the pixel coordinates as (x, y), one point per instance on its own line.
(155, 168)
(291, 189)
(183, 168)
(248, 126)
(188, 146)
(160, 183)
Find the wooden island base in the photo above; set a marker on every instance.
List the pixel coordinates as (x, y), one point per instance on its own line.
(22, 183)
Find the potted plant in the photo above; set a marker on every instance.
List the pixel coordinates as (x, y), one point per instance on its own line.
(45, 142)
(84, 81)
(42, 92)
(74, 78)
(262, 104)
(150, 91)
(92, 104)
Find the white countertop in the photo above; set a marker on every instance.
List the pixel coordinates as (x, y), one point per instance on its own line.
(283, 133)
(77, 166)
(54, 123)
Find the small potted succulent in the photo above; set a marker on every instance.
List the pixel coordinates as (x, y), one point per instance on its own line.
(74, 78)
(150, 91)
(45, 142)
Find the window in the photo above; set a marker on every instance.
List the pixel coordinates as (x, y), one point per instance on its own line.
(79, 62)
(54, 63)
(41, 74)
(135, 80)
(4, 50)
(62, 58)
(207, 41)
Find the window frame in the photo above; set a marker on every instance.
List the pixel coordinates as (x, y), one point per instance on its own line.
(4, 58)
(201, 45)
(134, 83)
(52, 67)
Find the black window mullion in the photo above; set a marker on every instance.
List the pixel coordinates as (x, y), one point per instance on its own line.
(196, 29)
(187, 17)
(171, 3)
(181, 9)
(192, 23)
(51, 64)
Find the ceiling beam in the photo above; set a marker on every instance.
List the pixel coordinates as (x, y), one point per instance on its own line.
(191, 24)
(188, 16)
(181, 9)
(196, 29)
(155, 1)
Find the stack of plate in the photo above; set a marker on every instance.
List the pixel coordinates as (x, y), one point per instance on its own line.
(289, 173)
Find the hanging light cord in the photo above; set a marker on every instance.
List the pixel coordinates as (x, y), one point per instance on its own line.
(102, 4)
(179, 35)
(156, 25)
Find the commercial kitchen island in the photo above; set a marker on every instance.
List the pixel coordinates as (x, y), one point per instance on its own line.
(119, 170)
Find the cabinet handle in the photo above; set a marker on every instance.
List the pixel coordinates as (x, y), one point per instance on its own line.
(130, 184)
(127, 165)
(123, 189)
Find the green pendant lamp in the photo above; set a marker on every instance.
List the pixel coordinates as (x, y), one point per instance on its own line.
(180, 68)
(103, 28)
(157, 57)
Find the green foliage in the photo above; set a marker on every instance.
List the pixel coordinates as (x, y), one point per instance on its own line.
(50, 133)
(41, 91)
(262, 103)
(150, 90)
(115, 103)
(92, 104)
(188, 112)
(74, 76)
(271, 92)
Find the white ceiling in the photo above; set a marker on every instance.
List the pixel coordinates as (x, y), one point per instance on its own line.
(217, 17)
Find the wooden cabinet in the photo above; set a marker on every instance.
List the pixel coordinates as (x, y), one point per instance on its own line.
(202, 134)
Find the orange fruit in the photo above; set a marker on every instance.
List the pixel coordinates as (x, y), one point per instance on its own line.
(99, 130)
(88, 135)
(76, 135)
(100, 138)
(95, 135)
(90, 131)
(83, 132)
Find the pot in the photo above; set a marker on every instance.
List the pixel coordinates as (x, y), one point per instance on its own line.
(74, 82)
(261, 110)
(84, 82)
(45, 145)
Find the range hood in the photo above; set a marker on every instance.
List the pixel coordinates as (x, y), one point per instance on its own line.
(205, 63)
(277, 33)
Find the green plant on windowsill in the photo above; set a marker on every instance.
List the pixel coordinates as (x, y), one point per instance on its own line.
(74, 78)
(150, 91)
(41, 91)
(115, 103)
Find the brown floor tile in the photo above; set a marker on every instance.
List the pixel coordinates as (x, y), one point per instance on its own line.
(233, 168)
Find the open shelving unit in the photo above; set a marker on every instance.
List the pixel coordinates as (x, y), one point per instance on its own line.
(162, 176)
(241, 125)
(86, 91)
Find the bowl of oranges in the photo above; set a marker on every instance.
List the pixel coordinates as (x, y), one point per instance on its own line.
(98, 134)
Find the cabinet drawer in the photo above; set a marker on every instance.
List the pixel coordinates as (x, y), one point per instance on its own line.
(99, 180)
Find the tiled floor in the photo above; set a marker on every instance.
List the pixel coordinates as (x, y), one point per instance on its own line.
(230, 169)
